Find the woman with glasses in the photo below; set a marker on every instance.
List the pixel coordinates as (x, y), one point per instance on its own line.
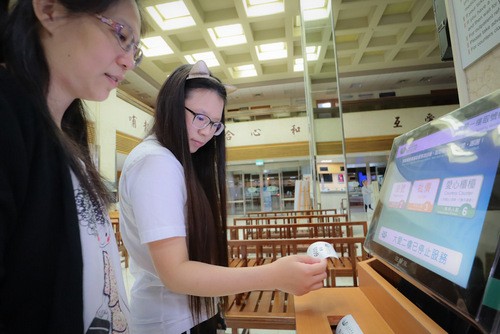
(60, 270)
(173, 216)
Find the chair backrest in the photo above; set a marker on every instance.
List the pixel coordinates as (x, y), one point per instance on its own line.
(299, 230)
(292, 213)
(351, 247)
(289, 219)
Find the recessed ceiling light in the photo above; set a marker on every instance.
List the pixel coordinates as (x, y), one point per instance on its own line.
(243, 71)
(208, 57)
(227, 35)
(171, 15)
(313, 52)
(263, 7)
(298, 65)
(155, 46)
(271, 51)
(313, 10)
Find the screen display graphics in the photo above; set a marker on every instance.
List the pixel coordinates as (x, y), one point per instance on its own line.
(438, 217)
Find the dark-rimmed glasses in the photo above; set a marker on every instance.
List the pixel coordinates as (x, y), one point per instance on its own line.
(201, 121)
(125, 37)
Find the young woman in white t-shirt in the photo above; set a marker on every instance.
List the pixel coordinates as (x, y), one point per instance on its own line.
(173, 215)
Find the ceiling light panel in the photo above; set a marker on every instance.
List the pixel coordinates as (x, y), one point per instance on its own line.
(298, 65)
(271, 51)
(208, 57)
(315, 9)
(255, 8)
(313, 52)
(155, 46)
(244, 71)
(171, 15)
(227, 35)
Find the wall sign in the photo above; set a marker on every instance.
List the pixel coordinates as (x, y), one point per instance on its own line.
(478, 27)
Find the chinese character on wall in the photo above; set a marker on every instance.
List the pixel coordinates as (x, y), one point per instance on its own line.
(229, 135)
(133, 120)
(295, 129)
(397, 123)
(256, 132)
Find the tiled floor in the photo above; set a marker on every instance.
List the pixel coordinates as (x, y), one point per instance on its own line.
(356, 215)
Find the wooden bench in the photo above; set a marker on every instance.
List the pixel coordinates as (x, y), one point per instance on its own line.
(262, 310)
(275, 309)
(290, 219)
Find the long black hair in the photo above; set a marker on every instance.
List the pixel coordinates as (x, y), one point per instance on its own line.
(23, 55)
(204, 170)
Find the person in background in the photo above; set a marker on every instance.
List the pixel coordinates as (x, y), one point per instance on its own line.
(173, 216)
(367, 195)
(60, 271)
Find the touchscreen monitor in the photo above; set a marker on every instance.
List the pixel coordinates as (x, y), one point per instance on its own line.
(438, 219)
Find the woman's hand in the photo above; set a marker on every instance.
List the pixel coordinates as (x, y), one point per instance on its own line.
(299, 274)
(295, 274)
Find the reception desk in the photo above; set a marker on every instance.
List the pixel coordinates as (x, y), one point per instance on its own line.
(376, 306)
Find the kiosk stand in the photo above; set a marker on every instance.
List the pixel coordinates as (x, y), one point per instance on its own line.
(376, 305)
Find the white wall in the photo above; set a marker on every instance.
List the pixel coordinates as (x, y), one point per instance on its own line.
(283, 130)
(357, 124)
(382, 122)
(110, 116)
(115, 114)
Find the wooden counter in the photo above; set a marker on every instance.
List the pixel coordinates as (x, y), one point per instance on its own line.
(376, 306)
(315, 311)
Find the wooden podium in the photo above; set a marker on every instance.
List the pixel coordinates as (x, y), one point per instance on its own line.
(376, 306)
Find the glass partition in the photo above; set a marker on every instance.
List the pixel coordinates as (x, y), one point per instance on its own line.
(253, 189)
(320, 80)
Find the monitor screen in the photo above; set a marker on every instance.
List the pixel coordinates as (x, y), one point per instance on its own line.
(438, 219)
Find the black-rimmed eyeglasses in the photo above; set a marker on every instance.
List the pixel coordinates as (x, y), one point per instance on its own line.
(125, 37)
(201, 121)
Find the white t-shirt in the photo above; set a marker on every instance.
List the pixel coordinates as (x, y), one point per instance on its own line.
(152, 207)
(105, 304)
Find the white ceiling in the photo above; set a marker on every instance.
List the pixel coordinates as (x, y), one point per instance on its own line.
(382, 45)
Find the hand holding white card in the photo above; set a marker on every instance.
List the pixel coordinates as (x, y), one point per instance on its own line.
(322, 250)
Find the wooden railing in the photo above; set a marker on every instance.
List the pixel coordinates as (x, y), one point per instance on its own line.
(292, 213)
(299, 230)
(314, 218)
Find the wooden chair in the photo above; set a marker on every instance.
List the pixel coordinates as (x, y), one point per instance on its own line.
(260, 309)
(115, 223)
